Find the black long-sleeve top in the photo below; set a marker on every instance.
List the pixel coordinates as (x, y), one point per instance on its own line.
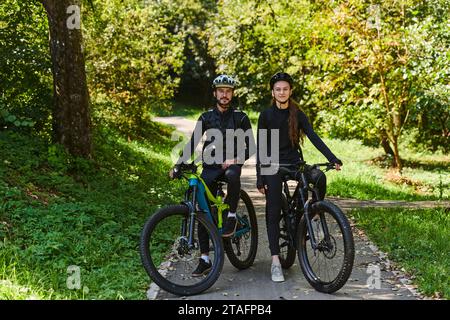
(214, 119)
(275, 118)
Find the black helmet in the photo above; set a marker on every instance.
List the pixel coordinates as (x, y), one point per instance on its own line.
(281, 76)
(224, 81)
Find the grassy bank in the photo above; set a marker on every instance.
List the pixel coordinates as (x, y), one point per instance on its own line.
(416, 240)
(57, 212)
(426, 178)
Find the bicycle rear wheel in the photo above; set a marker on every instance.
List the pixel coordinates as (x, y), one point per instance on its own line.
(242, 247)
(328, 267)
(287, 248)
(167, 256)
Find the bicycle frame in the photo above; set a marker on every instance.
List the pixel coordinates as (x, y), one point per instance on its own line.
(197, 202)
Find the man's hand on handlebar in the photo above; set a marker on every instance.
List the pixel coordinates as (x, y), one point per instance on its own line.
(175, 172)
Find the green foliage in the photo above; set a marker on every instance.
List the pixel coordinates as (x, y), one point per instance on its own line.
(392, 70)
(257, 40)
(362, 70)
(366, 69)
(417, 240)
(134, 57)
(8, 120)
(57, 211)
(25, 75)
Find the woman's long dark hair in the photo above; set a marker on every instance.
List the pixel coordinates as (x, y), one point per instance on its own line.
(296, 135)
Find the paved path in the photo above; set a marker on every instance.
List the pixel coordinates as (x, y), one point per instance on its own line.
(254, 283)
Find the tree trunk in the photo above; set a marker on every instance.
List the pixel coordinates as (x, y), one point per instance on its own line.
(398, 162)
(385, 144)
(71, 114)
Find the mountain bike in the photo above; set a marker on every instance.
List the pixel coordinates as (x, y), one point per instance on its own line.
(317, 230)
(169, 244)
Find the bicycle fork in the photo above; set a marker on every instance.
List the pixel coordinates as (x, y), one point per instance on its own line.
(189, 221)
(312, 235)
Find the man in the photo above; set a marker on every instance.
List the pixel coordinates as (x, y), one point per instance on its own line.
(220, 162)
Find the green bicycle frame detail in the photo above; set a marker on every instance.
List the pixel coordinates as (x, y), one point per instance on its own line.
(214, 201)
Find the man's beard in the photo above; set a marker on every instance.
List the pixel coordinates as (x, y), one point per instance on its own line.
(225, 106)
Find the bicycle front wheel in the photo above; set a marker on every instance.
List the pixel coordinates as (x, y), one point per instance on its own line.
(327, 267)
(242, 247)
(170, 259)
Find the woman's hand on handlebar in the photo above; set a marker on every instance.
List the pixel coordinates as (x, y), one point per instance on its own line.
(337, 164)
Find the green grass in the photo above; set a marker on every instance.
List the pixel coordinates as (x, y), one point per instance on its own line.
(360, 179)
(417, 240)
(57, 211)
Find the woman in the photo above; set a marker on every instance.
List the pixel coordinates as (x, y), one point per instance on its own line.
(284, 115)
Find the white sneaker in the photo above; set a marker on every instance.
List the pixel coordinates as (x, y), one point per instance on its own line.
(277, 273)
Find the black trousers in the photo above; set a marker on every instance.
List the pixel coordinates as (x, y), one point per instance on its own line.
(273, 204)
(232, 175)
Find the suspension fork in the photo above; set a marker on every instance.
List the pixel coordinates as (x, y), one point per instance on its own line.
(326, 232)
(312, 237)
(191, 217)
(307, 213)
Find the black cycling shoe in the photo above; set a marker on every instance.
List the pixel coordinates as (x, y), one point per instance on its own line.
(229, 227)
(202, 268)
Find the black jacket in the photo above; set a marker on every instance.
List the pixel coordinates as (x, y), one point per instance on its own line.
(214, 119)
(275, 118)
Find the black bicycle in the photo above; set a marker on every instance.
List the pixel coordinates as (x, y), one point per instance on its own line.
(316, 229)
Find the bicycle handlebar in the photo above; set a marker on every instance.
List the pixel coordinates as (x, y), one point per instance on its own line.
(329, 165)
(177, 171)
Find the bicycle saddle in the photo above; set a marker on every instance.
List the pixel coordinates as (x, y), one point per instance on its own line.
(289, 173)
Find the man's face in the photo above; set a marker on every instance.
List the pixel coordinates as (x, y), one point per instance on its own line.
(223, 96)
(281, 91)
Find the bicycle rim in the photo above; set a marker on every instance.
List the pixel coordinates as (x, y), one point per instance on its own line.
(167, 256)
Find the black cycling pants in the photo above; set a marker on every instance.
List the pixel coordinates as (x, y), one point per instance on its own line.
(273, 204)
(232, 175)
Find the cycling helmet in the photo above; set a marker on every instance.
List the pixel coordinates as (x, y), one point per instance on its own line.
(224, 81)
(281, 76)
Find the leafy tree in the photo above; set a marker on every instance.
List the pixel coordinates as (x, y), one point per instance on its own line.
(134, 58)
(379, 82)
(25, 68)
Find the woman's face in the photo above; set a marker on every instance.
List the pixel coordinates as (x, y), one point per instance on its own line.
(281, 91)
